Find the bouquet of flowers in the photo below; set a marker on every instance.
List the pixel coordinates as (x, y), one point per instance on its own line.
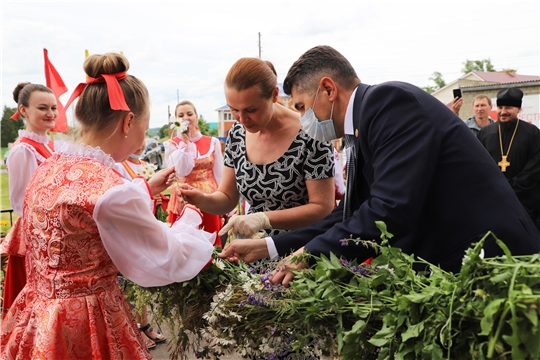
(148, 170)
(181, 125)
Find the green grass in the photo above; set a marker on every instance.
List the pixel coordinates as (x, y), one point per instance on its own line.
(4, 197)
(3, 151)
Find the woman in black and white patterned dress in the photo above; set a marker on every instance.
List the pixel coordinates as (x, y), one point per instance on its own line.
(286, 176)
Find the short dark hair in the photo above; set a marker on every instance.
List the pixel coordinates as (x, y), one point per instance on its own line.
(316, 63)
(482, 96)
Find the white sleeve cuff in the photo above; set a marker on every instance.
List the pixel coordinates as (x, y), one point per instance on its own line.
(272, 251)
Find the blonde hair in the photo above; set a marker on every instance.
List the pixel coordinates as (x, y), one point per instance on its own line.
(185, 102)
(93, 109)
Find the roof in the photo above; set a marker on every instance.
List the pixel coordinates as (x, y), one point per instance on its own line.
(224, 107)
(501, 77)
(504, 77)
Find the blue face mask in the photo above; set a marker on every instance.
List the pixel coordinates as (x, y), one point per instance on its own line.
(318, 130)
(131, 156)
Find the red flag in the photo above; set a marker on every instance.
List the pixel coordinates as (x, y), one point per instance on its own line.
(56, 84)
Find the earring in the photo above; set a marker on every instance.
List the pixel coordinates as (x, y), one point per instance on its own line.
(125, 137)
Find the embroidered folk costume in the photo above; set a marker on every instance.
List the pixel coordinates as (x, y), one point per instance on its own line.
(27, 153)
(199, 164)
(83, 223)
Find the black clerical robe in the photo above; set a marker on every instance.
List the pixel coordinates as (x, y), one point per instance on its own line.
(523, 173)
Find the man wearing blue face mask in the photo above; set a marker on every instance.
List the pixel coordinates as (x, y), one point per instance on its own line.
(322, 130)
(414, 165)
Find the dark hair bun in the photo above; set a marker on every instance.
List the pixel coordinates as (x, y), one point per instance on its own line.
(18, 90)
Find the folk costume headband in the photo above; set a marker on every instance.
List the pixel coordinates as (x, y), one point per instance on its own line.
(116, 95)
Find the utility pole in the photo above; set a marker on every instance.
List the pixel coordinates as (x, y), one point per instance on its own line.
(259, 44)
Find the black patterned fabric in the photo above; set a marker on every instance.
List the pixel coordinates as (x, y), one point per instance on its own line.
(281, 184)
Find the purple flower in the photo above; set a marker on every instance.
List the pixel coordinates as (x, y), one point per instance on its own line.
(344, 242)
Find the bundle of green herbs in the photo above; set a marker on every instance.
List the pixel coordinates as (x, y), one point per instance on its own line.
(344, 310)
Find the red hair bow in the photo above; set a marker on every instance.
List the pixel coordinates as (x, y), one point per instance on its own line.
(116, 95)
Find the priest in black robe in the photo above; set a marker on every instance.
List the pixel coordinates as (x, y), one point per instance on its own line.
(515, 145)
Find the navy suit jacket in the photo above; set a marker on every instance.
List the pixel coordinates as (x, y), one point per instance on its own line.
(421, 171)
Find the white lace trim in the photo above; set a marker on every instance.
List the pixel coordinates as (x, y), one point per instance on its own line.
(44, 139)
(84, 151)
(196, 137)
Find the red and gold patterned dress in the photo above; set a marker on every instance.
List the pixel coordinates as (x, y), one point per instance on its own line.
(83, 223)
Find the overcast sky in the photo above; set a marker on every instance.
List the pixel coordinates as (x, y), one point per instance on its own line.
(184, 49)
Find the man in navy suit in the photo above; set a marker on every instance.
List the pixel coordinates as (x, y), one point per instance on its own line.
(418, 168)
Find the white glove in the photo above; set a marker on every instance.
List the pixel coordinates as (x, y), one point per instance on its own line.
(246, 225)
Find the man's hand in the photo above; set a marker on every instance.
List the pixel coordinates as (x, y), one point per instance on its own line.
(247, 250)
(457, 103)
(246, 225)
(161, 180)
(283, 274)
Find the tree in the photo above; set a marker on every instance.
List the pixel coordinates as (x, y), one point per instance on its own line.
(163, 131)
(204, 128)
(9, 128)
(468, 66)
(437, 78)
(477, 65)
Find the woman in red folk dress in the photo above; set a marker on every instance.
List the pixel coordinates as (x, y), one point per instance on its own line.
(37, 104)
(198, 160)
(83, 222)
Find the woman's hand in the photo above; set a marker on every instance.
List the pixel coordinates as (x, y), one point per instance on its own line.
(185, 138)
(192, 195)
(246, 225)
(161, 180)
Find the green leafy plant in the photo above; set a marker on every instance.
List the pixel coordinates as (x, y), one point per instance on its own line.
(342, 309)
